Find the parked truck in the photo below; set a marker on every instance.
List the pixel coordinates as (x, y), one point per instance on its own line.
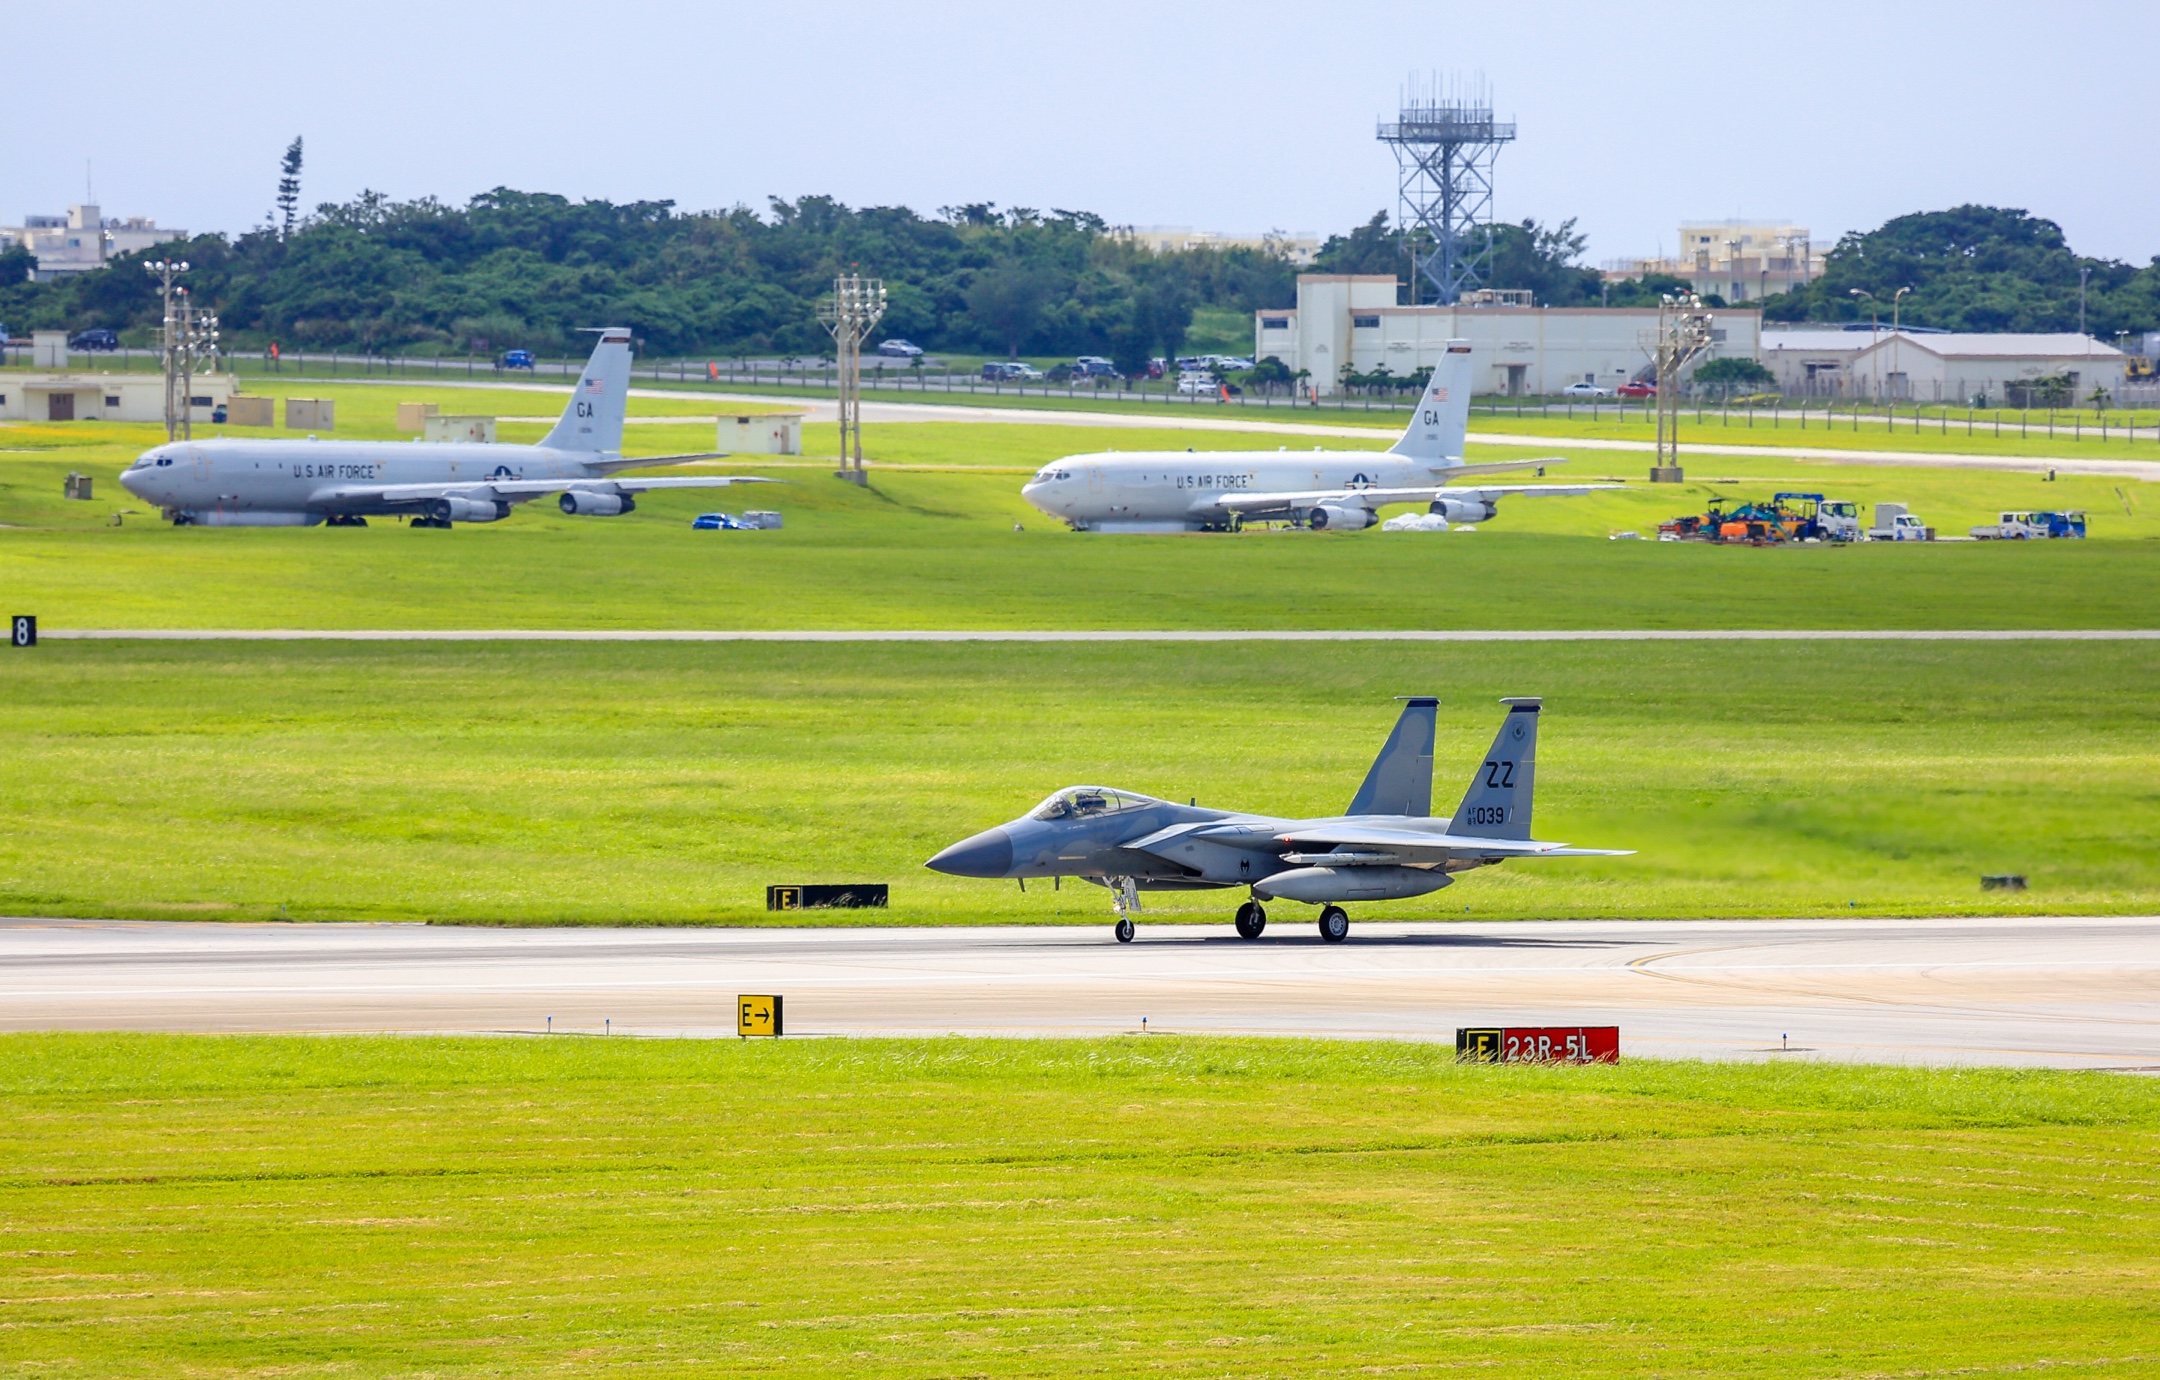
(1895, 522)
(2029, 526)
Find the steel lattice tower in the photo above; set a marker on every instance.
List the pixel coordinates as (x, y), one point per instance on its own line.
(1445, 149)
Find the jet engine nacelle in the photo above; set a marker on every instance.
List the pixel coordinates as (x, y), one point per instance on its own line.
(1464, 510)
(1319, 885)
(586, 503)
(1354, 518)
(476, 510)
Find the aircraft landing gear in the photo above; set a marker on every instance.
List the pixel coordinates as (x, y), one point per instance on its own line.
(1251, 920)
(1334, 924)
(1125, 895)
(344, 520)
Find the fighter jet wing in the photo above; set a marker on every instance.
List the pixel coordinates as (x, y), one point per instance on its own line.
(1416, 844)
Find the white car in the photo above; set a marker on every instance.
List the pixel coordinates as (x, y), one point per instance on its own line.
(1233, 362)
(899, 349)
(1585, 390)
(1198, 385)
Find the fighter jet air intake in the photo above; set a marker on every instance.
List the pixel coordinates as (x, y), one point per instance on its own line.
(1210, 491)
(1387, 846)
(283, 483)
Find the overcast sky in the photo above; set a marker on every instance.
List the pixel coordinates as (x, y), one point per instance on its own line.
(1244, 116)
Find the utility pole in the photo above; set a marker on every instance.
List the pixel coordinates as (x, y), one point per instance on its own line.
(169, 340)
(2083, 274)
(1683, 334)
(849, 314)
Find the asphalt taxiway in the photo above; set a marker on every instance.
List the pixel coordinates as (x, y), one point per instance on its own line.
(2070, 992)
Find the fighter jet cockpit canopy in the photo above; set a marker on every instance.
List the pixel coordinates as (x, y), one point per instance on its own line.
(1085, 802)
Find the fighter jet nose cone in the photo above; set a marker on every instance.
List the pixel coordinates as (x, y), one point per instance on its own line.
(988, 854)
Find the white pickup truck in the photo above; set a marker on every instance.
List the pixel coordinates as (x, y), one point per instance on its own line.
(2035, 526)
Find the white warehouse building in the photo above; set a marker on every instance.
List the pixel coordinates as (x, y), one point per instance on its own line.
(1960, 368)
(1352, 320)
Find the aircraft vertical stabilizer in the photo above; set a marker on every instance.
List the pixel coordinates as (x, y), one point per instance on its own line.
(1436, 431)
(594, 419)
(1400, 782)
(1497, 805)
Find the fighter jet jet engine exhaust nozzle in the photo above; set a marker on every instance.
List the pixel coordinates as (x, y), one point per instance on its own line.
(1331, 516)
(1321, 885)
(1458, 510)
(584, 503)
(474, 510)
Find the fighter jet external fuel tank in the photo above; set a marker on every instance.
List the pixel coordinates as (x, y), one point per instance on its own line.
(1387, 846)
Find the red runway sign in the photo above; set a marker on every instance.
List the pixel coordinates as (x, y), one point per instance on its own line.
(1539, 1044)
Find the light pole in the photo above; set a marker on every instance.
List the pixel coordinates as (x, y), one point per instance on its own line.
(165, 270)
(1874, 331)
(2083, 274)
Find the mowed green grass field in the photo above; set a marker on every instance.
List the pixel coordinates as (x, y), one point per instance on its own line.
(398, 1207)
(933, 544)
(671, 782)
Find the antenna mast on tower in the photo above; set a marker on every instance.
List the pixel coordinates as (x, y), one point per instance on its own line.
(1445, 147)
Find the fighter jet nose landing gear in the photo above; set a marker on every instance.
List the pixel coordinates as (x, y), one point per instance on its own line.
(1124, 930)
(1125, 895)
(1251, 920)
(1334, 924)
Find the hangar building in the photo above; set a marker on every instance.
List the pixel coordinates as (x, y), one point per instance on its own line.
(1933, 366)
(1515, 348)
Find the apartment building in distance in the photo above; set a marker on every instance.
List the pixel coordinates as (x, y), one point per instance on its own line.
(1735, 260)
(83, 239)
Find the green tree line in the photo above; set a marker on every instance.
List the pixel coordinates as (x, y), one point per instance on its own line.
(514, 269)
(527, 270)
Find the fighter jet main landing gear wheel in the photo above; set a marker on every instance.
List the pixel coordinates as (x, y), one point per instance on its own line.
(1124, 930)
(1334, 925)
(1251, 920)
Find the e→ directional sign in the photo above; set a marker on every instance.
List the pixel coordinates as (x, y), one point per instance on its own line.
(757, 1016)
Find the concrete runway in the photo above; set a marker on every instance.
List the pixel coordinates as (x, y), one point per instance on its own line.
(2068, 993)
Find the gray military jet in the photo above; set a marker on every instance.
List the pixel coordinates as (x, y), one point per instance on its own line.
(222, 482)
(1388, 846)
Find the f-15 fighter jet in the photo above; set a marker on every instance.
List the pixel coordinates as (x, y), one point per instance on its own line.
(1387, 846)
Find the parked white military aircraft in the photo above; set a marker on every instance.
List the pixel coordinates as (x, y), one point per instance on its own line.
(243, 483)
(1187, 491)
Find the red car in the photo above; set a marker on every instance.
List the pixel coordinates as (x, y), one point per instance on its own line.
(1637, 390)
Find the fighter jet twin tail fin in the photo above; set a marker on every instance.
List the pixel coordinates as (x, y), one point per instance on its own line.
(1497, 803)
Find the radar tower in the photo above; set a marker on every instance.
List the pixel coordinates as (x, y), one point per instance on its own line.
(1445, 147)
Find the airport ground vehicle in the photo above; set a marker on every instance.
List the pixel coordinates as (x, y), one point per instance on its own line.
(1585, 390)
(1387, 846)
(1786, 517)
(2031, 526)
(97, 338)
(1895, 522)
(517, 359)
(897, 348)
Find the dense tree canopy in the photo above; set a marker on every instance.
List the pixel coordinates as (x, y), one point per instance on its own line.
(524, 269)
(511, 269)
(1975, 268)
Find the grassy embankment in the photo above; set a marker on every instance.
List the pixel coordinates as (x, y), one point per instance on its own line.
(362, 1207)
(669, 783)
(931, 544)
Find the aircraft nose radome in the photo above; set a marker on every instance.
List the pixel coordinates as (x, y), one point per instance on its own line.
(988, 854)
